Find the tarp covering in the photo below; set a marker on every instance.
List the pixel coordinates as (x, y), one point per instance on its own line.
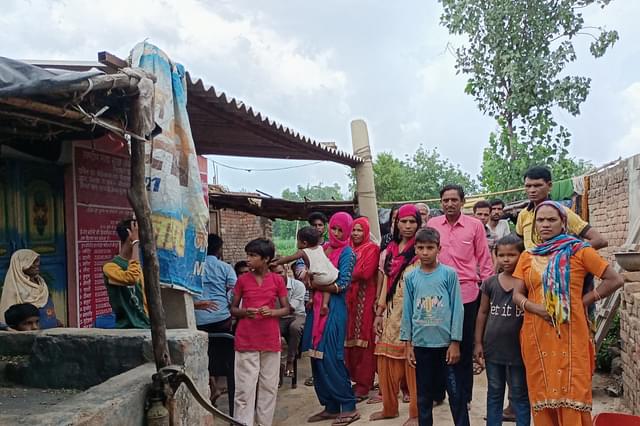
(180, 216)
(19, 79)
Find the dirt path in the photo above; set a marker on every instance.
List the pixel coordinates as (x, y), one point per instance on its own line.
(296, 405)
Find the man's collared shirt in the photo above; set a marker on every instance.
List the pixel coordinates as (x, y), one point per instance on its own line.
(464, 247)
(295, 293)
(526, 230)
(218, 279)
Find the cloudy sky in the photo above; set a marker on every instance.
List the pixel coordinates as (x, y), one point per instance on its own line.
(315, 66)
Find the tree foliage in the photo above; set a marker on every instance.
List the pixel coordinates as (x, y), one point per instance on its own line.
(417, 177)
(286, 229)
(516, 53)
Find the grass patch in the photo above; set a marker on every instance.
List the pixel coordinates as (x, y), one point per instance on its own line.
(285, 247)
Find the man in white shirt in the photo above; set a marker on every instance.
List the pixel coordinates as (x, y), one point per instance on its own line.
(292, 325)
(497, 226)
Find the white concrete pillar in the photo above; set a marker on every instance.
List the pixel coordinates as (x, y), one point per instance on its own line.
(365, 187)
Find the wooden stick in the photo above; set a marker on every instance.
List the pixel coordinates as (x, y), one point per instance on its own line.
(151, 266)
(54, 110)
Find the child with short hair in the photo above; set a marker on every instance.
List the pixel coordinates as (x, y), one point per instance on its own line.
(257, 338)
(497, 342)
(23, 317)
(432, 319)
(320, 270)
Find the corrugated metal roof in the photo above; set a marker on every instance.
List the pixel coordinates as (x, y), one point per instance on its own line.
(226, 126)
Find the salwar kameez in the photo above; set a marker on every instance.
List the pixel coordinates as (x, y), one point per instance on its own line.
(559, 363)
(393, 365)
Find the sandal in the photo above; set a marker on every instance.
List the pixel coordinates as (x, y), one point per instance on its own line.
(375, 399)
(406, 398)
(360, 398)
(288, 373)
(321, 416)
(344, 420)
(477, 368)
(309, 382)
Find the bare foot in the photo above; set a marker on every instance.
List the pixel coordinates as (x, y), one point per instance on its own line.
(379, 416)
(324, 310)
(411, 422)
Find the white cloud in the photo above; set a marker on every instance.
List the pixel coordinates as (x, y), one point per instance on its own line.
(629, 144)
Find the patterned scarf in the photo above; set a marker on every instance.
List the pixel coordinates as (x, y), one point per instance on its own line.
(557, 275)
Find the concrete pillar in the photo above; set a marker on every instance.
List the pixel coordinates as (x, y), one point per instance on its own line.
(365, 187)
(178, 306)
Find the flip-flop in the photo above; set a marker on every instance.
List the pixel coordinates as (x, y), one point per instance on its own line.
(360, 398)
(406, 399)
(477, 368)
(321, 416)
(346, 420)
(309, 382)
(375, 399)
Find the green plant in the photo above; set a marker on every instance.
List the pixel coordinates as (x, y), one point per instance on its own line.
(285, 247)
(603, 357)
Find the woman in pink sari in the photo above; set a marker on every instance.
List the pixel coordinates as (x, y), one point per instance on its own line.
(324, 335)
(361, 299)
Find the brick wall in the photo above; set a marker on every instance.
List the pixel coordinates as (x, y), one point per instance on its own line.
(237, 229)
(609, 206)
(630, 337)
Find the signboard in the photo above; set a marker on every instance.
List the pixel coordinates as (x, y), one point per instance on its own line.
(101, 182)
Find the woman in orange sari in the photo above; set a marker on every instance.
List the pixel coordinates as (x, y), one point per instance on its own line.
(556, 343)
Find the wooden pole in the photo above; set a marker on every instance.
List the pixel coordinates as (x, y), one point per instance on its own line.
(150, 264)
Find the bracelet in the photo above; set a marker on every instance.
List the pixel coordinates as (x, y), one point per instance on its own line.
(134, 242)
(523, 304)
(337, 288)
(597, 295)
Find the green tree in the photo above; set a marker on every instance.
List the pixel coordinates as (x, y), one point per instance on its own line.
(286, 229)
(516, 53)
(417, 177)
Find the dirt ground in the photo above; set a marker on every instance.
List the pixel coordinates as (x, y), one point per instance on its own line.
(296, 405)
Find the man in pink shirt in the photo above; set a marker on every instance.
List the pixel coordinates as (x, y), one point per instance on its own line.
(465, 249)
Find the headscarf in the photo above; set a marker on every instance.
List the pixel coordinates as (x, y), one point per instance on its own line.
(366, 237)
(396, 261)
(18, 287)
(343, 221)
(556, 277)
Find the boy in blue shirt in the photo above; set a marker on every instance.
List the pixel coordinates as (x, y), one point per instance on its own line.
(432, 320)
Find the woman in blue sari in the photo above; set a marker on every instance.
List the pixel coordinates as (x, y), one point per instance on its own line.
(324, 336)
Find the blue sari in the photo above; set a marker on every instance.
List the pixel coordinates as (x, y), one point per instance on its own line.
(330, 376)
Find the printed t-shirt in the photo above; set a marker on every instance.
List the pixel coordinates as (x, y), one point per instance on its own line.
(501, 339)
(433, 312)
(259, 333)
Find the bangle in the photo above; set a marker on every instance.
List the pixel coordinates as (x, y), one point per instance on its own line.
(597, 295)
(523, 304)
(134, 242)
(337, 288)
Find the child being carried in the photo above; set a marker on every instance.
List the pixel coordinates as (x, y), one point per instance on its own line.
(319, 269)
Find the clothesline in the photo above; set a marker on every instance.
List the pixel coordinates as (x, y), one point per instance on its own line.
(432, 200)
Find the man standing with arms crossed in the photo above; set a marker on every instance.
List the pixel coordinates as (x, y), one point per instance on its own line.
(465, 249)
